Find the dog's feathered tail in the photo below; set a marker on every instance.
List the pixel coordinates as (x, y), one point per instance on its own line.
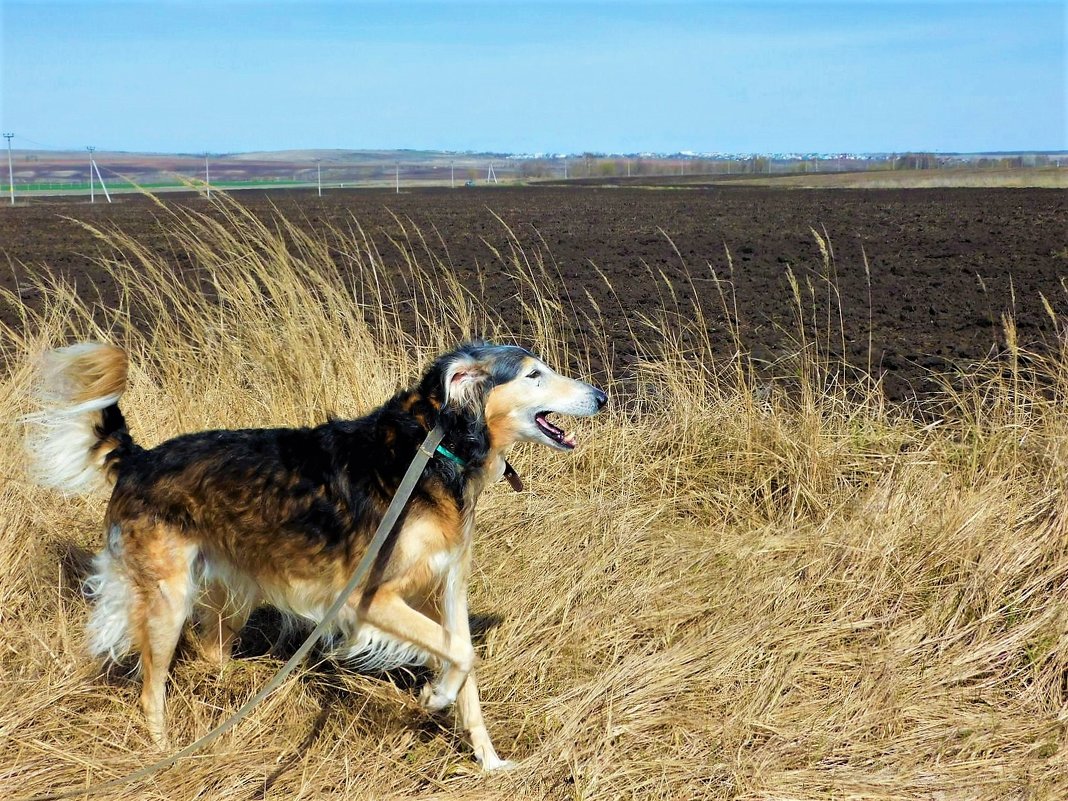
(75, 440)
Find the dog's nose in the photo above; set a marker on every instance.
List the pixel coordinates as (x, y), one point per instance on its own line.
(600, 397)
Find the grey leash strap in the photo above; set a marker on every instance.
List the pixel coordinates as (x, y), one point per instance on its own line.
(389, 520)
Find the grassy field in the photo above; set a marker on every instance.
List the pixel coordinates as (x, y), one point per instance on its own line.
(734, 589)
(424, 176)
(122, 187)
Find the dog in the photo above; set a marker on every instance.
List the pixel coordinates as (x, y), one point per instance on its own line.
(214, 524)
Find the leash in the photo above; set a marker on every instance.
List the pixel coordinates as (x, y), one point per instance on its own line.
(389, 520)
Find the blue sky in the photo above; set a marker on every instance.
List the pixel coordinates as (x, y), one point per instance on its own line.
(235, 75)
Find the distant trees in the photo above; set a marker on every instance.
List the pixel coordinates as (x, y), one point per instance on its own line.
(916, 161)
(535, 168)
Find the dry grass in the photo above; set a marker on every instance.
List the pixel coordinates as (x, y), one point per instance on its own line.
(728, 592)
(962, 177)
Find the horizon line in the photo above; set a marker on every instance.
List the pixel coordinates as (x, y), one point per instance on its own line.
(680, 153)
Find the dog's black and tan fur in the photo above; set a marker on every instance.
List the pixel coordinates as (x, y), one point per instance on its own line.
(220, 522)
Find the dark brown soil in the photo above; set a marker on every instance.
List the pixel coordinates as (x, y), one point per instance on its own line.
(945, 264)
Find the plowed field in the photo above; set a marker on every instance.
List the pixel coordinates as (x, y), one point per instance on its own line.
(944, 264)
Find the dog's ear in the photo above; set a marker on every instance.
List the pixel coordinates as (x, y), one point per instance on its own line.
(464, 379)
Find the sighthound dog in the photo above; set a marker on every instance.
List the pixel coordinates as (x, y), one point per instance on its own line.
(220, 522)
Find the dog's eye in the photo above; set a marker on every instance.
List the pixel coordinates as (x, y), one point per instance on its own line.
(534, 374)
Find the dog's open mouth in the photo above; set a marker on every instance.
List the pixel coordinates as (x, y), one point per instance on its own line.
(557, 435)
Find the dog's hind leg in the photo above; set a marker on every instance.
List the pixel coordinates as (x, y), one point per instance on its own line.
(164, 584)
(223, 613)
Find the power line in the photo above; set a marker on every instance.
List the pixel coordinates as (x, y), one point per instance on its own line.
(45, 145)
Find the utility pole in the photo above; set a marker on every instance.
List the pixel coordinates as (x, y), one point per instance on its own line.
(10, 171)
(92, 197)
(565, 169)
(319, 175)
(452, 175)
(207, 175)
(396, 176)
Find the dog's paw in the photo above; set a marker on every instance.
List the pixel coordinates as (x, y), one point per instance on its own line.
(500, 765)
(214, 654)
(160, 741)
(432, 699)
(491, 763)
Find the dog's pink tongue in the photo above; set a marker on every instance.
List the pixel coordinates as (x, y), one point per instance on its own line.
(570, 440)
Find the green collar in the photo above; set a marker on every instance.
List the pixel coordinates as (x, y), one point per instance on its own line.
(509, 472)
(450, 456)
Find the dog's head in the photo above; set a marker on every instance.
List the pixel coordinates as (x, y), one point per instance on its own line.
(512, 392)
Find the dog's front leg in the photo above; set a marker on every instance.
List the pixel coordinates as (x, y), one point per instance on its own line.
(456, 622)
(456, 627)
(469, 712)
(388, 611)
